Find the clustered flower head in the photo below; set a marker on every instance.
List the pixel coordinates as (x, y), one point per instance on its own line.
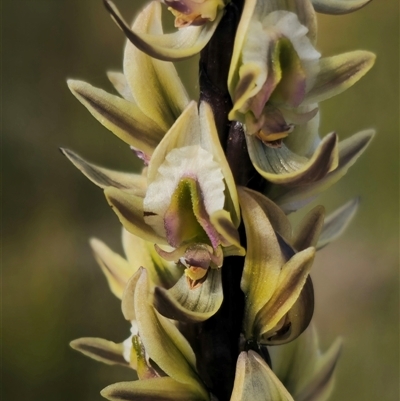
(203, 246)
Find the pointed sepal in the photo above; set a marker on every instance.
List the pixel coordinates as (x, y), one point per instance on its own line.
(255, 381)
(337, 7)
(284, 167)
(101, 350)
(263, 261)
(157, 389)
(129, 209)
(175, 46)
(292, 279)
(350, 150)
(123, 118)
(103, 177)
(336, 223)
(338, 73)
(116, 269)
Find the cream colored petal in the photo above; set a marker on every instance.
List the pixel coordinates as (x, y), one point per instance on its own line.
(129, 209)
(123, 118)
(161, 338)
(158, 389)
(338, 73)
(256, 10)
(282, 166)
(186, 304)
(128, 296)
(302, 8)
(154, 84)
(189, 167)
(240, 37)
(103, 177)
(349, 151)
(100, 350)
(186, 127)
(306, 14)
(263, 262)
(120, 84)
(209, 140)
(193, 129)
(116, 269)
(288, 288)
(175, 46)
(255, 381)
(336, 223)
(338, 6)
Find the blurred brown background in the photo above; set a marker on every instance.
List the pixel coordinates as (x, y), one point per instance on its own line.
(54, 292)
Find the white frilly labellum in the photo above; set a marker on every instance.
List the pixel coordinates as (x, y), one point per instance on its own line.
(288, 24)
(186, 162)
(263, 31)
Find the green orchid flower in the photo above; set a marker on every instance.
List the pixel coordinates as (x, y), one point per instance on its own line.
(276, 282)
(194, 12)
(191, 205)
(276, 80)
(278, 290)
(178, 45)
(185, 203)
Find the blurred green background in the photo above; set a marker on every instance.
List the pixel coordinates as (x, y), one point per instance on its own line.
(54, 292)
